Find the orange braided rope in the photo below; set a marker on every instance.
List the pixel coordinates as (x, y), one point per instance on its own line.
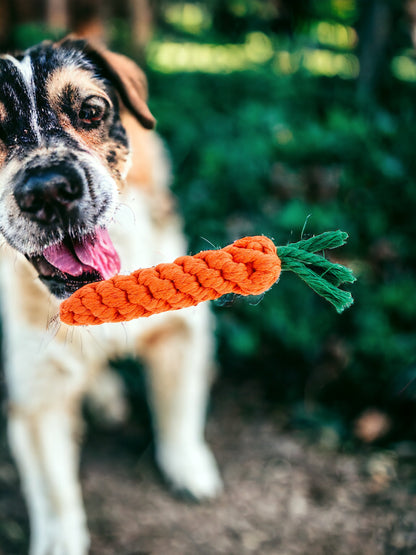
(249, 266)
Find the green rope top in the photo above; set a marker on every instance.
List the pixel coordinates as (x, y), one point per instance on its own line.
(301, 258)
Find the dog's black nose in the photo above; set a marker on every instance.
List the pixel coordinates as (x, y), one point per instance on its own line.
(49, 194)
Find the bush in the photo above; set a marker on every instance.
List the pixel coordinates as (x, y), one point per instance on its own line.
(259, 153)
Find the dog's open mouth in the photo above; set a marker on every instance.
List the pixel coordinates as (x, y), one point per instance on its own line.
(66, 266)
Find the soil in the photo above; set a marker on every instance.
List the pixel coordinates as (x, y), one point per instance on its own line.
(284, 494)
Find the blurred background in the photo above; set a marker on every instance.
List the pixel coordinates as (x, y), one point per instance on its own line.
(285, 117)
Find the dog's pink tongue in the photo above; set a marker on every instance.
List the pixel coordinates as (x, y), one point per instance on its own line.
(61, 257)
(98, 252)
(93, 252)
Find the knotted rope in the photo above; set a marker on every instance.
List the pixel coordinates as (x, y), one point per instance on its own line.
(249, 266)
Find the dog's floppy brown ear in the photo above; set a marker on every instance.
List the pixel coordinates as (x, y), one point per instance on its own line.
(129, 80)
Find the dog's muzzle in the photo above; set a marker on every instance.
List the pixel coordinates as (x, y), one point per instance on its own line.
(56, 198)
(50, 195)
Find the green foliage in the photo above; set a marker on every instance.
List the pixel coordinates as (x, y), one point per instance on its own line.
(258, 152)
(28, 34)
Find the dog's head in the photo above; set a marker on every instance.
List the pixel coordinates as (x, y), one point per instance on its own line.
(63, 156)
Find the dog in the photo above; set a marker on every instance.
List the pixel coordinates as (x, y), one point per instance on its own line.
(84, 195)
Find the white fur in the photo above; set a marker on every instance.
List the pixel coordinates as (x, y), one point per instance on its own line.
(26, 71)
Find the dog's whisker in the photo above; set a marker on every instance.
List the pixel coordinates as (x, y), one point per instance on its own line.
(52, 329)
(215, 247)
(124, 205)
(100, 344)
(69, 336)
(126, 338)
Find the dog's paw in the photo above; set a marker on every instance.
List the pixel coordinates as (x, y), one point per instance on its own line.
(61, 537)
(191, 471)
(78, 547)
(60, 547)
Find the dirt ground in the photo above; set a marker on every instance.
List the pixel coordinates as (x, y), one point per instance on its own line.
(284, 494)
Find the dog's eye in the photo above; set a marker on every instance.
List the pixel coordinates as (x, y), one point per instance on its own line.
(92, 110)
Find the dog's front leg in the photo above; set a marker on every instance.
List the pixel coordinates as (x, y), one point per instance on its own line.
(23, 444)
(46, 454)
(178, 353)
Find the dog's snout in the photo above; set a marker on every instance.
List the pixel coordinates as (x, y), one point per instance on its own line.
(48, 194)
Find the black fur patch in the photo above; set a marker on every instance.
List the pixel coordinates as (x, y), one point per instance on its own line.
(36, 133)
(24, 107)
(16, 129)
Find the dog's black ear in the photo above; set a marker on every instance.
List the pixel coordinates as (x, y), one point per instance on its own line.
(126, 76)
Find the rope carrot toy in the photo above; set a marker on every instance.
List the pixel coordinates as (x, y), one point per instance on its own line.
(249, 266)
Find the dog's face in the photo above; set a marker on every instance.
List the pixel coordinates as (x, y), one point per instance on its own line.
(63, 156)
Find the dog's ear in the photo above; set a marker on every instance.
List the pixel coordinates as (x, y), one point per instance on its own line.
(130, 82)
(123, 73)
(127, 77)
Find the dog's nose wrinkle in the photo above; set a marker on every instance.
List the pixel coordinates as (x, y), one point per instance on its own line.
(45, 195)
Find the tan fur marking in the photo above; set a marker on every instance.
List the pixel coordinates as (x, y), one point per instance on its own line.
(3, 112)
(84, 83)
(80, 79)
(3, 116)
(147, 155)
(165, 372)
(37, 306)
(142, 152)
(33, 297)
(3, 153)
(159, 334)
(94, 142)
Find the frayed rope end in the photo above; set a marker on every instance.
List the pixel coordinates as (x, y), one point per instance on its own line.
(301, 258)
